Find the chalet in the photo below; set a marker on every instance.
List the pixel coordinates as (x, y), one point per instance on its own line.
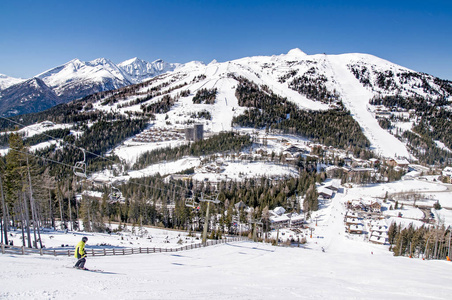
(357, 229)
(297, 220)
(294, 149)
(354, 204)
(333, 185)
(352, 221)
(279, 211)
(351, 214)
(371, 205)
(378, 239)
(280, 221)
(325, 193)
(398, 162)
(375, 206)
(378, 228)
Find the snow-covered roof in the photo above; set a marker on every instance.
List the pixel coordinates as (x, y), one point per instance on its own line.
(279, 219)
(326, 191)
(377, 239)
(279, 210)
(352, 221)
(356, 227)
(379, 228)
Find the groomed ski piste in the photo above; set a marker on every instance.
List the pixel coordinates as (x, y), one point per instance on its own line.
(349, 268)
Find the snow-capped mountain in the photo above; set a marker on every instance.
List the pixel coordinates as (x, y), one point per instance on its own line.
(6, 81)
(313, 82)
(138, 70)
(77, 79)
(26, 97)
(358, 84)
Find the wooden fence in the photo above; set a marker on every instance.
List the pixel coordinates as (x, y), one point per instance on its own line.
(5, 249)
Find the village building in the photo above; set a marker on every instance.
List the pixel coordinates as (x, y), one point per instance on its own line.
(280, 221)
(357, 229)
(297, 220)
(325, 193)
(279, 211)
(398, 162)
(333, 185)
(351, 214)
(352, 221)
(378, 240)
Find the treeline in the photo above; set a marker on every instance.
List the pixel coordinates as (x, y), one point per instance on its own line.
(267, 110)
(434, 123)
(204, 114)
(426, 242)
(24, 194)
(205, 96)
(313, 88)
(425, 149)
(99, 138)
(420, 104)
(148, 200)
(220, 143)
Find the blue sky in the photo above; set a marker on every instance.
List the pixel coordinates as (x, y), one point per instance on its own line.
(39, 35)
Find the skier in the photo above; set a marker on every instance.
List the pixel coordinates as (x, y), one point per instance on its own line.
(80, 254)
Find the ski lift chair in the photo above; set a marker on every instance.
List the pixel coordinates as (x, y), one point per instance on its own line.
(80, 167)
(115, 194)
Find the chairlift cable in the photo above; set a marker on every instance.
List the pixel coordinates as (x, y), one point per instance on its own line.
(66, 143)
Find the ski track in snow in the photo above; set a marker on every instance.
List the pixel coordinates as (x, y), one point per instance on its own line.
(356, 98)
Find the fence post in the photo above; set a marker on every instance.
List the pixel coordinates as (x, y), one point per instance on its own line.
(92, 252)
(105, 252)
(54, 252)
(3, 249)
(114, 251)
(69, 253)
(40, 251)
(123, 251)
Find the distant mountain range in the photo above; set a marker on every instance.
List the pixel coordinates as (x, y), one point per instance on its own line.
(75, 79)
(400, 111)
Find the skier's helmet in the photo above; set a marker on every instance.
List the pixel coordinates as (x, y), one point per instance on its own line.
(84, 239)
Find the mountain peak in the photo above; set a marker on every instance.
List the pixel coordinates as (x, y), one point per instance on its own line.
(101, 61)
(296, 52)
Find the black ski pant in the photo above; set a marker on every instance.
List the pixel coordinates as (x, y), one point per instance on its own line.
(80, 263)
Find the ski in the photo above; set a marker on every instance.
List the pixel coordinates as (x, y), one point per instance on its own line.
(88, 270)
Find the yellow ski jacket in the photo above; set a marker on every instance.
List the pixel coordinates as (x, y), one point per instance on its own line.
(80, 250)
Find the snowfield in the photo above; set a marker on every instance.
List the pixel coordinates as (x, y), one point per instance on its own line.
(240, 270)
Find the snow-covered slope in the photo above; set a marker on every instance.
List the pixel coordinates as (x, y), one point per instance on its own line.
(350, 267)
(27, 97)
(6, 81)
(312, 82)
